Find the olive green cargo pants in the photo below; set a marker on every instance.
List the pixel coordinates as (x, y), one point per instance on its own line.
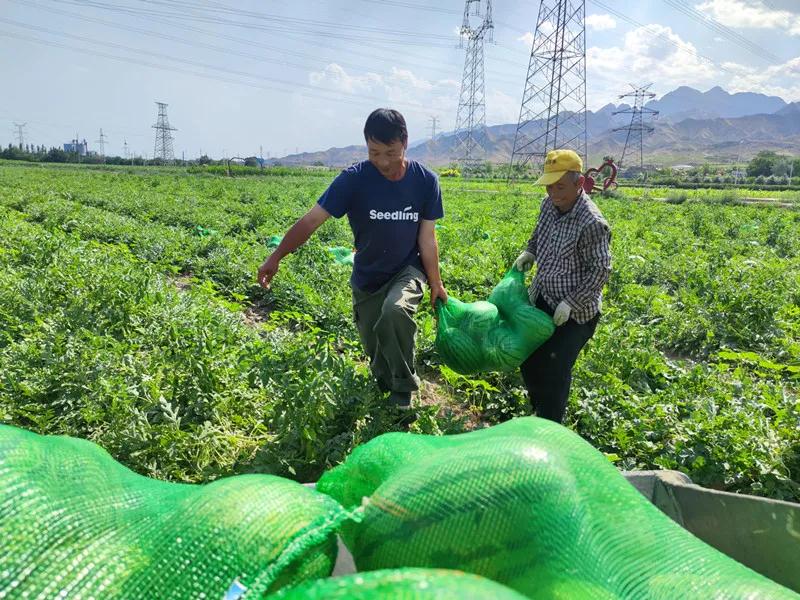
(385, 321)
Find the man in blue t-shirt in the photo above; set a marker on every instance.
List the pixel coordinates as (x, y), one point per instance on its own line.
(392, 204)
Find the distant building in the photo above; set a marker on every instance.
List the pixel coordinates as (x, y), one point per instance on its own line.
(682, 167)
(74, 146)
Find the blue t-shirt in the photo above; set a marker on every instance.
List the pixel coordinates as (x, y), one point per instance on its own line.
(385, 217)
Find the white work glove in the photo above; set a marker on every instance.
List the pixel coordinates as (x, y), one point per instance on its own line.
(524, 261)
(561, 314)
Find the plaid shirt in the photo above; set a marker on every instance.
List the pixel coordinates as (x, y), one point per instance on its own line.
(573, 257)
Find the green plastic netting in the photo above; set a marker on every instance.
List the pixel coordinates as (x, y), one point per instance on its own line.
(497, 335)
(401, 584)
(342, 255)
(531, 505)
(74, 523)
(339, 254)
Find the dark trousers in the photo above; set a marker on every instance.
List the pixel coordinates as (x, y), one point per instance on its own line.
(548, 371)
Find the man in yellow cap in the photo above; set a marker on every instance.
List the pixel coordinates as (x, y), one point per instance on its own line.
(570, 246)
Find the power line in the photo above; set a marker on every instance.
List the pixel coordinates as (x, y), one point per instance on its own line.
(406, 38)
(229, 51)
(730, 34)
(438, 10)
(291, 86)
(660, 35)
(282, 25)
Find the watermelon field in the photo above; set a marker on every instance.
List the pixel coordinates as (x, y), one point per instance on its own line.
(130, 316)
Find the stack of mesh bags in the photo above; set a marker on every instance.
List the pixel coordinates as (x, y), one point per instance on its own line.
(494, 335)
(530, 505)
(74, 523)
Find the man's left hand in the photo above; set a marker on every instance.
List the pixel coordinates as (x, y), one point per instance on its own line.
(561, 315)
(438, 292)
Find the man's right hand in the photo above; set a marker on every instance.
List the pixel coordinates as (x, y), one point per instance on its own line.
(524, 261)
(268, 269)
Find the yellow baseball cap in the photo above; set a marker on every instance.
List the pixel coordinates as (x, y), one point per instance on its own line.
(557, 163)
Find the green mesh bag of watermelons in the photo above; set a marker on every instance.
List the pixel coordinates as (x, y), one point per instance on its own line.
(342, 255)
(531, 505)
(401, 584)
(74, 523)
(497, 335)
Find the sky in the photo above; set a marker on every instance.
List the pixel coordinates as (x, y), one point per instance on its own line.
(249, 77)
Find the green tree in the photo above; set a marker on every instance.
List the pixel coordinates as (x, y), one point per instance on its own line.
(782, 167)
(762, 163)
(56, 155)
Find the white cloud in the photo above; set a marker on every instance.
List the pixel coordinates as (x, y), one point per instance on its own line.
(501, 108)
(400, 86)
(777, 80)
(526, 39)
(648, 54)
(754, 15)
(601, 22)
(546, 28)
(336, 78)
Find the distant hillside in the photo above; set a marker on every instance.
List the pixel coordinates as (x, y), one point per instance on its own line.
(712, 128)
(686, 102)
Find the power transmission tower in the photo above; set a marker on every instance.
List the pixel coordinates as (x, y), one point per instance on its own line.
(434, 121)
(163, 145)
(637, 124)
(552, 114)
(102, 142)
(20, 133)
(125, 148)
(471, 116)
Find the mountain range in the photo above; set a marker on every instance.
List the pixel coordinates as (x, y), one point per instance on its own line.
(691, 126)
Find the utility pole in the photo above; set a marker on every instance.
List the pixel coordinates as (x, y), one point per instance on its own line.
(102, 142)
(553, 110)
(261, 155)
(163, 144)
(20, 134)
(125, 148)
(471, 116)
(637, 124)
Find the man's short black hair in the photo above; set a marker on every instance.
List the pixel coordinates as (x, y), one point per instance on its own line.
(386, 125)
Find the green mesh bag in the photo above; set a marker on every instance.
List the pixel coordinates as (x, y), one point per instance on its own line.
(533, 506)
(401, 584)
(274, 241)
(342, 255)
(74, 523)
(497, 335)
